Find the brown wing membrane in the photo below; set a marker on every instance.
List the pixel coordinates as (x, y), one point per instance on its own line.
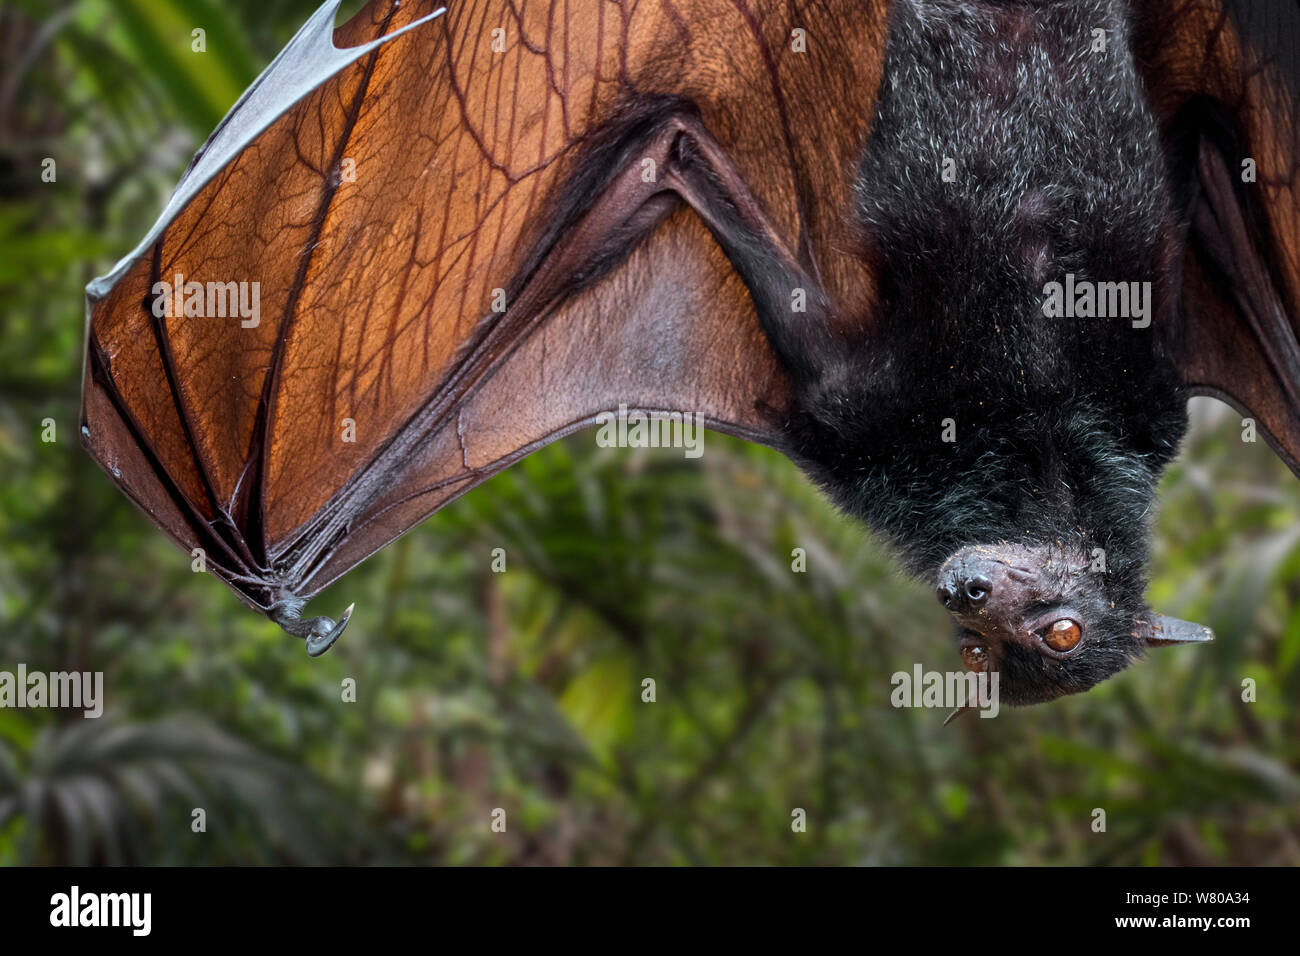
(1224, 78)
(467, 242)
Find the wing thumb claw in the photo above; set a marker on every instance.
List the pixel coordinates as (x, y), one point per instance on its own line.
(320, 633)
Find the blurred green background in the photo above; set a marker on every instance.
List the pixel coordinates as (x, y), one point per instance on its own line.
(522, 690)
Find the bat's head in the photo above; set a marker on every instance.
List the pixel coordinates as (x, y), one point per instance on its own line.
(1042, 618)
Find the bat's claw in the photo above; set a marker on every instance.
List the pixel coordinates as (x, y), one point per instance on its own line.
(320, 633)
(963, 709)
(325, 632)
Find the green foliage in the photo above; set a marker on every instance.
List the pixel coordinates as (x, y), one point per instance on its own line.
(523, 690)
(103, 792)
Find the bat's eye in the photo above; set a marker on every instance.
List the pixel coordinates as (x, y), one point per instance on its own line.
(975, 657)
(1063, 635)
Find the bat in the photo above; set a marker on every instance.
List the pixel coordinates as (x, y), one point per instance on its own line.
(963, 261)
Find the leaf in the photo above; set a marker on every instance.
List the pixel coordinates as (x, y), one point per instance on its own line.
(202, 86)
(599, 703)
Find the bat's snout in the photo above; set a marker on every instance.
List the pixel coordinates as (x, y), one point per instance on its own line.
(976, 581)
(966, 589)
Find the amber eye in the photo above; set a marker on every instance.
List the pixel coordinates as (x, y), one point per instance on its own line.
(975, 657)
(1064, 635)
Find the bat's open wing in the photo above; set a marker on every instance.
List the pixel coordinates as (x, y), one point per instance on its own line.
(1224, 78)
(434, 245)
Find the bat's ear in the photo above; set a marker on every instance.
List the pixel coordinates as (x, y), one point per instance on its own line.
(1160, 631)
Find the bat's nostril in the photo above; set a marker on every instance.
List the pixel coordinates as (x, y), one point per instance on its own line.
(946, 594)
(977, 589)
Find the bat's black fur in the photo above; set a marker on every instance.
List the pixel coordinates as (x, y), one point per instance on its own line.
(1063, 425)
